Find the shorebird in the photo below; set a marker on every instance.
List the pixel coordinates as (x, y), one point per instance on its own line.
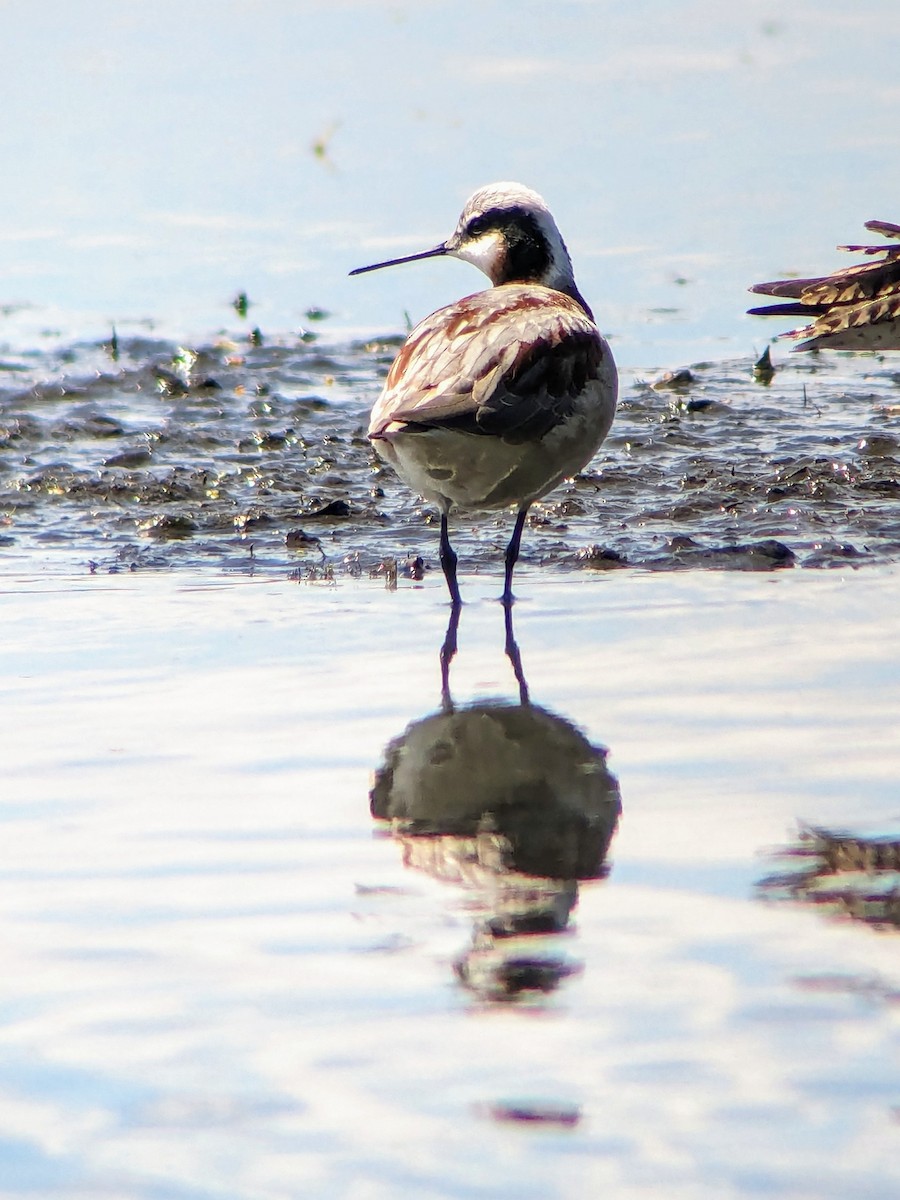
(494, 400)
(857, 308)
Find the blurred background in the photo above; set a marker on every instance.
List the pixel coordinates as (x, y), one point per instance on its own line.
(159, 159)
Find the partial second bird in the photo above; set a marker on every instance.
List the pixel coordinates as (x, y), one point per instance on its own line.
(855, 308)
(493, 400)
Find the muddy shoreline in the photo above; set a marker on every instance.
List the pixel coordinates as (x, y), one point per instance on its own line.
(250, 455)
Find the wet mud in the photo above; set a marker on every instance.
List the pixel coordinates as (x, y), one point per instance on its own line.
(251, 455)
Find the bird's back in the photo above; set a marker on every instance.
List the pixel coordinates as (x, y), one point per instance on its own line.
(510, 361)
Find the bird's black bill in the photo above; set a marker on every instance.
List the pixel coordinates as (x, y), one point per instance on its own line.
(393, 262)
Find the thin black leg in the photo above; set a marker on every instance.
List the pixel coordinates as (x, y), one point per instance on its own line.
(448, 562)
(512, 553)
(448, 651)
(512, 652)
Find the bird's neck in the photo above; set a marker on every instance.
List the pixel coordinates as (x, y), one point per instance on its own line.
(532, 257)
(564, 281)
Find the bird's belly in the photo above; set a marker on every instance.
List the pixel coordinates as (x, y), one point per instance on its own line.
(479, 471)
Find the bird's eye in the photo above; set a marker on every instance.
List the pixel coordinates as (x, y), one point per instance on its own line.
(478, 225)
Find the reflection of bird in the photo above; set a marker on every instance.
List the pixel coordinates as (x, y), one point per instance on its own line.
(857, 308)
(493, 400)
(529, 777)
(513, 801)
(840, 872)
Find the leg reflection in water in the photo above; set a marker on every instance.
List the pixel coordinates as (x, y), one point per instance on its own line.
(512, 652)
(449, 648)
(448, 653)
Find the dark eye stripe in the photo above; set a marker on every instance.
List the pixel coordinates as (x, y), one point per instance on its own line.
(527, 252)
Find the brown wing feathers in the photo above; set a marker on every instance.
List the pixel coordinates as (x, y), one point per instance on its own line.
(866, 294)
(471, 368)
(542, 390)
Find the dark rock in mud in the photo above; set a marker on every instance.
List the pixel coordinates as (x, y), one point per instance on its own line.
(767, 555)
(298, 539)
(168, 526)
(335, 508)
(682, 378)
(600, 558)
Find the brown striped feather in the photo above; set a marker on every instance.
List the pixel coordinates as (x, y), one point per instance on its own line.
(858, 298)
(510, 361)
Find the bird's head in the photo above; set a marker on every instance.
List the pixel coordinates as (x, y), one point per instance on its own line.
(508, 232)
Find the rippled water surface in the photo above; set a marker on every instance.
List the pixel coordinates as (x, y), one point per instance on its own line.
(550, 965)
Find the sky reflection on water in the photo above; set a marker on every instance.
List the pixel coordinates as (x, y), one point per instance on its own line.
(163, 158)
(219, 983)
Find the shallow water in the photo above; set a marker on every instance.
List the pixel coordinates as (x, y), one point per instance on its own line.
(224, 979)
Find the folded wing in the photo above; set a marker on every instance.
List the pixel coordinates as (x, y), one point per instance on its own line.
(512, 365)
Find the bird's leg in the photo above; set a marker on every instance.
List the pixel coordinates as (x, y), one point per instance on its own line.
(512, 553)
(448, 651)
(448, 562)
(512, 652)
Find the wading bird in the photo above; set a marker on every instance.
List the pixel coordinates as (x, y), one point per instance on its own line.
(494, 400)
